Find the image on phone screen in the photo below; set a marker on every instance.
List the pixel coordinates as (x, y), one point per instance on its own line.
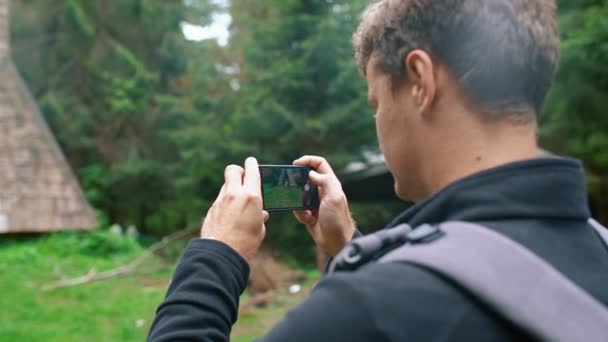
(288, 188)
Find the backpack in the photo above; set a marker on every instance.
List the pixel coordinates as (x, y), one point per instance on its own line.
(550, 307)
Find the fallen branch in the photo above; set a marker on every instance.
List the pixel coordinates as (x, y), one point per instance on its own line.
(93, 275)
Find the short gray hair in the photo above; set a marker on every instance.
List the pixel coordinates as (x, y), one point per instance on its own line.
(503, 53)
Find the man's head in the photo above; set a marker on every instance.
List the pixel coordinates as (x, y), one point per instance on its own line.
(428, 61)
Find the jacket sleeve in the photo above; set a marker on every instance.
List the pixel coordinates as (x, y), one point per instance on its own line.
(203, 299)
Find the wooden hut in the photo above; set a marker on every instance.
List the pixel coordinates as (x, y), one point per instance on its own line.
(38, 191)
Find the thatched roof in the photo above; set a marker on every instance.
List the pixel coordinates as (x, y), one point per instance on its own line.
(38, 191)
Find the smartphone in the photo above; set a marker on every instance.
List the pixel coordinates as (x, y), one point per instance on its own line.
(287, 187)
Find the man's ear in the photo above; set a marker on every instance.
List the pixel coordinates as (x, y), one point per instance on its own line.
(420, 71)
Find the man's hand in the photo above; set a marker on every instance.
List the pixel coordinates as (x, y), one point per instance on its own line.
(332, 226)
(237, 218)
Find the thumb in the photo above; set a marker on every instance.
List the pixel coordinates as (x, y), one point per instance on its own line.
(317, 178)
(330, 184)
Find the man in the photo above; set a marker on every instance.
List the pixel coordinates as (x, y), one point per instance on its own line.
(457, 86)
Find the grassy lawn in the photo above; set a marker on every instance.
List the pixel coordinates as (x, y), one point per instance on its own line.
(119, 309)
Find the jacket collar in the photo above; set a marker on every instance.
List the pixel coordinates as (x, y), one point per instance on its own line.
(542, 188)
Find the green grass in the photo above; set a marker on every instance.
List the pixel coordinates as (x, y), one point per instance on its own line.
(111, 310)
(119, 309)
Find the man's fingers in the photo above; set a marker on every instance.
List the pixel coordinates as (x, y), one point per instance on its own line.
(305, 217)
(329, 185)
(251, 181)
(319, 179)
(220, 195)
(266, 216)
(322, 175)
(233, 178)
(316, 162)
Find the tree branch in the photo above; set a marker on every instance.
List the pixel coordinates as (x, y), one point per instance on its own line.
(93, 275)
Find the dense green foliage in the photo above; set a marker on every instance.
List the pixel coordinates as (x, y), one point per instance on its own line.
(149, 120)
(575, 120)
(102, 74)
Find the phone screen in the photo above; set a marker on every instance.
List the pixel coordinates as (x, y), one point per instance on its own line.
(288, 188)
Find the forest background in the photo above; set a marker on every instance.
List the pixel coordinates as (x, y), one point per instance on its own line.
(149, 119)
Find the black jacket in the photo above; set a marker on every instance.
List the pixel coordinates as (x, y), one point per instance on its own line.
(539, 203)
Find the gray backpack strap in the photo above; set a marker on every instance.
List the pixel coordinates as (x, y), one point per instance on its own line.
(519, 285)
(601, 230)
